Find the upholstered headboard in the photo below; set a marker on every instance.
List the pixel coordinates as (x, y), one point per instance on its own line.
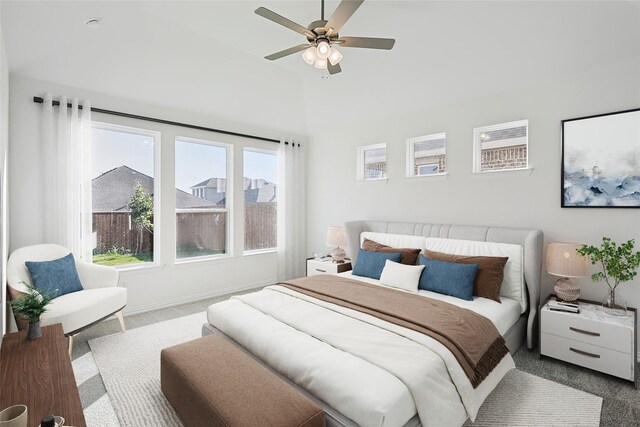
(530, 239)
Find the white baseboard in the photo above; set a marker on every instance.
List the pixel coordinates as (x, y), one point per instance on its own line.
(195, 297)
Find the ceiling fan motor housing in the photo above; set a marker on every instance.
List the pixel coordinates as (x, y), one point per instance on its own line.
(318, 27)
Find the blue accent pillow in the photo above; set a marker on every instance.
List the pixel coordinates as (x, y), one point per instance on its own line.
(371, 264)
(448, 278)
(59, 276)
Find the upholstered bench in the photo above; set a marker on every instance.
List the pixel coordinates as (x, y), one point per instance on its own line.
(210, 382)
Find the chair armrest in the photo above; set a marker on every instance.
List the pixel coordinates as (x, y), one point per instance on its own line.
(94, 276)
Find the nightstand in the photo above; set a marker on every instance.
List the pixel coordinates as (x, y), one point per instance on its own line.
(326, 266)
(592, 338)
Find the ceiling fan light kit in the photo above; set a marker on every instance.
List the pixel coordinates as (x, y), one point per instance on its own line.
(310, 55)
(322, 35)
(335, 56)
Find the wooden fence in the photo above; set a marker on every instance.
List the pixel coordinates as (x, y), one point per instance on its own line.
(116, 230)
(205, 231)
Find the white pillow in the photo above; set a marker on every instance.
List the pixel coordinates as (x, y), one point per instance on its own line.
(394, 240)
(401, 276)
(513, 285)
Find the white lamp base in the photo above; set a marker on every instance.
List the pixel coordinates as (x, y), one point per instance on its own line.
(338, 255)
(566, 290)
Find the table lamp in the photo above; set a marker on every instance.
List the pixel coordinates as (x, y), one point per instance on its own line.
(564, 261)
(337, 236)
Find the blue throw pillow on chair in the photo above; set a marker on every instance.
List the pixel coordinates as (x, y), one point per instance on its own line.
(370, 264)
(59, 275)
(448, 278)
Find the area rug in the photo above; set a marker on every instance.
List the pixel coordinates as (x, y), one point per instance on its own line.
(130, 368)
(522, 399)
(129, 364)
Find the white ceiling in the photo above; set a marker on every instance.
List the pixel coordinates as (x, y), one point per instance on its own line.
(189, 52)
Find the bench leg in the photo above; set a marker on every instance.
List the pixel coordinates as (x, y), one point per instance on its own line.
(121, 320)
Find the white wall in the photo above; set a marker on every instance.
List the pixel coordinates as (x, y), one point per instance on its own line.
(4, 135)
(152, 287)
(519, 201)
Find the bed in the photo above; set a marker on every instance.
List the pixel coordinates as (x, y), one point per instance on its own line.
(366, 371)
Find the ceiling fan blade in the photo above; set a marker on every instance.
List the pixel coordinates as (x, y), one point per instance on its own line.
(286, 52)
(342, 14)
(366, 42)
(279, 19)
(333, 69)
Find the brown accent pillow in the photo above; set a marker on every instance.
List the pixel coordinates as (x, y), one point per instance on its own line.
(408, 256)
(489, 276)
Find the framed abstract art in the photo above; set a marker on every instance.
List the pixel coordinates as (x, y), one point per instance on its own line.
(601, 161)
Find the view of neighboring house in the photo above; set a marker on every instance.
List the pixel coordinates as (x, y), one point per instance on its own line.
(112, 224)
(255, 190)
(112, 191)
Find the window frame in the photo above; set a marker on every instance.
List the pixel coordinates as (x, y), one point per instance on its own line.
(477, 145)
(274, 152)
(361, 159)
(157, 189)
(411, 158)
(228, 209)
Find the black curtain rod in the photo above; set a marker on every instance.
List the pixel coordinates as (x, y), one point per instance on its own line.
(39, 100)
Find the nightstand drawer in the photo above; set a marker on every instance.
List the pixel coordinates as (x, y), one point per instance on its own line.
(589, 331)
(590, 356)
(315, 267)
(313, 270)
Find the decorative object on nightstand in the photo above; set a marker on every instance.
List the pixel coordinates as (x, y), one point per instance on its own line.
(31, 305)
(619, 264)
(563, 260)
(592, 338)
(326, 266)
(14, 416)
(337, 236)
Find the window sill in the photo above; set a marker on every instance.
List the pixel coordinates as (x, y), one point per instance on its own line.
(436, 177)
(202, 259)
(502, 173)
(140, 268)
(373, 180)
(260, 252)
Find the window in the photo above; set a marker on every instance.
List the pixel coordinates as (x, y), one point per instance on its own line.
(501, 147)
(260, 200)
(372, 162)
(427, 155)
(203, 198)
(124, 194)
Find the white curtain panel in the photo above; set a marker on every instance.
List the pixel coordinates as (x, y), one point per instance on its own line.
(66, 150)
(292, 210)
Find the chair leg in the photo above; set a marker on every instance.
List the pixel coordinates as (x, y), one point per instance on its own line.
(70, 338)
(121, 320)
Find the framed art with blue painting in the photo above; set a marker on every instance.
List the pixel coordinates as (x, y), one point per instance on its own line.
(601, 161)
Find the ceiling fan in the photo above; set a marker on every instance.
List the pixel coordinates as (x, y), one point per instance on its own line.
(323, 38)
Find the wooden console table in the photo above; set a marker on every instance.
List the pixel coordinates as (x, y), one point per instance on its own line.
(39, 374)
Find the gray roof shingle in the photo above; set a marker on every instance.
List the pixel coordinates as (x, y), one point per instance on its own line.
(112, 191)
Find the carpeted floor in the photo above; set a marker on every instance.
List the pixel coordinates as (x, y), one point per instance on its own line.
(621, 404)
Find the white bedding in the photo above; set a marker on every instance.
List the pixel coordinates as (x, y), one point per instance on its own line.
(372, 371)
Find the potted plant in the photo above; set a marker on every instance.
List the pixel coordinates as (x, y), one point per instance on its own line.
(31, 306)
(618, 264)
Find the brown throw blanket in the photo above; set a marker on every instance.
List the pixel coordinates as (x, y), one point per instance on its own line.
(472, 338)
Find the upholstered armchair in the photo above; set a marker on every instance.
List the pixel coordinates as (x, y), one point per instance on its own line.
(100, 298)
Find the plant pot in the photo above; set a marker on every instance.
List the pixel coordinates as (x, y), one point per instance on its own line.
(613, 305)
(34, 332)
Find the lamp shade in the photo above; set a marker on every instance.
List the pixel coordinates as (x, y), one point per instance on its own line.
(336, 236)
(563, 260)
